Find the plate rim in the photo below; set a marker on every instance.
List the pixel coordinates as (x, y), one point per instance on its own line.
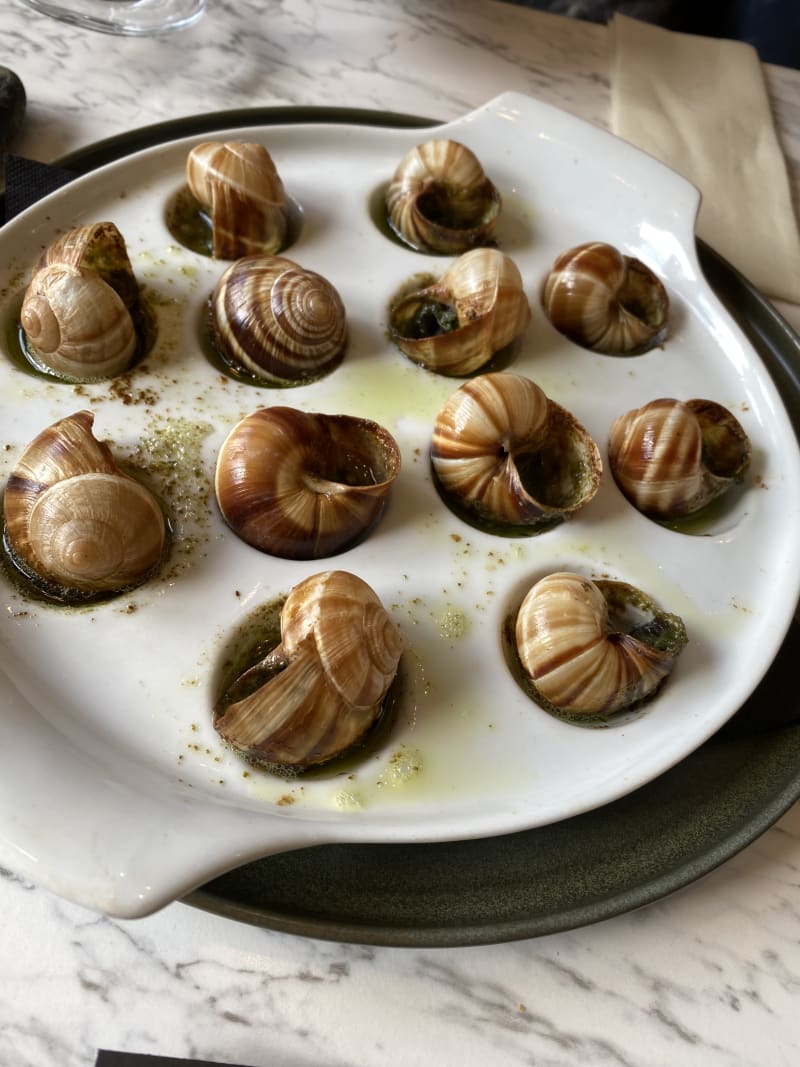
(209, 897)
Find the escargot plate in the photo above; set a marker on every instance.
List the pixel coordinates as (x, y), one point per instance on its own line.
(464, 752)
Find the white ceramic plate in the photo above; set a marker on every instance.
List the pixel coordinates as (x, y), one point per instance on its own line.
(116, 790)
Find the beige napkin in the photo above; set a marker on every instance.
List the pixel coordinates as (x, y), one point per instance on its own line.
(700, 105)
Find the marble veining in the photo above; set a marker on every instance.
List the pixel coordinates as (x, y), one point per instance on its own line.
(347, 54)
(708, 977)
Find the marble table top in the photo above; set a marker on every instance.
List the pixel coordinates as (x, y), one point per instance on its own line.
(707, 976)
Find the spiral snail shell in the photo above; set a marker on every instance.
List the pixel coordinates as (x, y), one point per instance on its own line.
(325, 682)
(81, 315)
(457, 324)
(439, 199)
(671, 458)
(74, 524)
(594, 648)
(276, 321)
(239, 187)
(304, 485)
(504, 454)
(606, 301)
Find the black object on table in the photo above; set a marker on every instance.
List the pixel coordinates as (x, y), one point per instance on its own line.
(12, 106)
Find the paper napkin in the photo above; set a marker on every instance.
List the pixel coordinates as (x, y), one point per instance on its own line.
(700, 105)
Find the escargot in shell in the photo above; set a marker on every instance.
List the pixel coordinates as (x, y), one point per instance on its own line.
(455, 326)
(606, 301)
(73, 523)
(505, 455)
(277, 322)
(304, 485)
(440, 200)
(320, 691)
(239, 188)
(671, 457)
(81, 314)
(594, 648)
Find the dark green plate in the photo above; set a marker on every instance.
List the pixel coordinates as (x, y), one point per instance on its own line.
(603, 863)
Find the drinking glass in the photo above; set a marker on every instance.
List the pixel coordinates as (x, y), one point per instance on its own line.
(128, 17)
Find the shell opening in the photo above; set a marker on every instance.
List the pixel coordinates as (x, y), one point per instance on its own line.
(419, 317)
(557, 474)
(725, 446)
(445, 206)
(349, 460)
(633, 614)
(440, 200)
(641, 298)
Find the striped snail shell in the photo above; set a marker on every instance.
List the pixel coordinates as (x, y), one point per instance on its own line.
(276, 321)
(606, 301)
(325, 682)
(594, 648)
(74, 523)
(81, 308)
(457, 324)
(304, 485)
(239, 187)
(671, 458)
(504, 454)
(439, 199)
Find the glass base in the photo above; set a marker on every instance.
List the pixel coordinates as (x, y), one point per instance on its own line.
(131, 18)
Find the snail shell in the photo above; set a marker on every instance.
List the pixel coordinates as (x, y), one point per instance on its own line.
(439, 199)
(304, 485)
(671, 458)
(505, 454)
(606, 301)
(594, 648)
(80, 311)
(239, 187)
(74, 524)
(456, 325)
(277, 321)
(327, 680)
